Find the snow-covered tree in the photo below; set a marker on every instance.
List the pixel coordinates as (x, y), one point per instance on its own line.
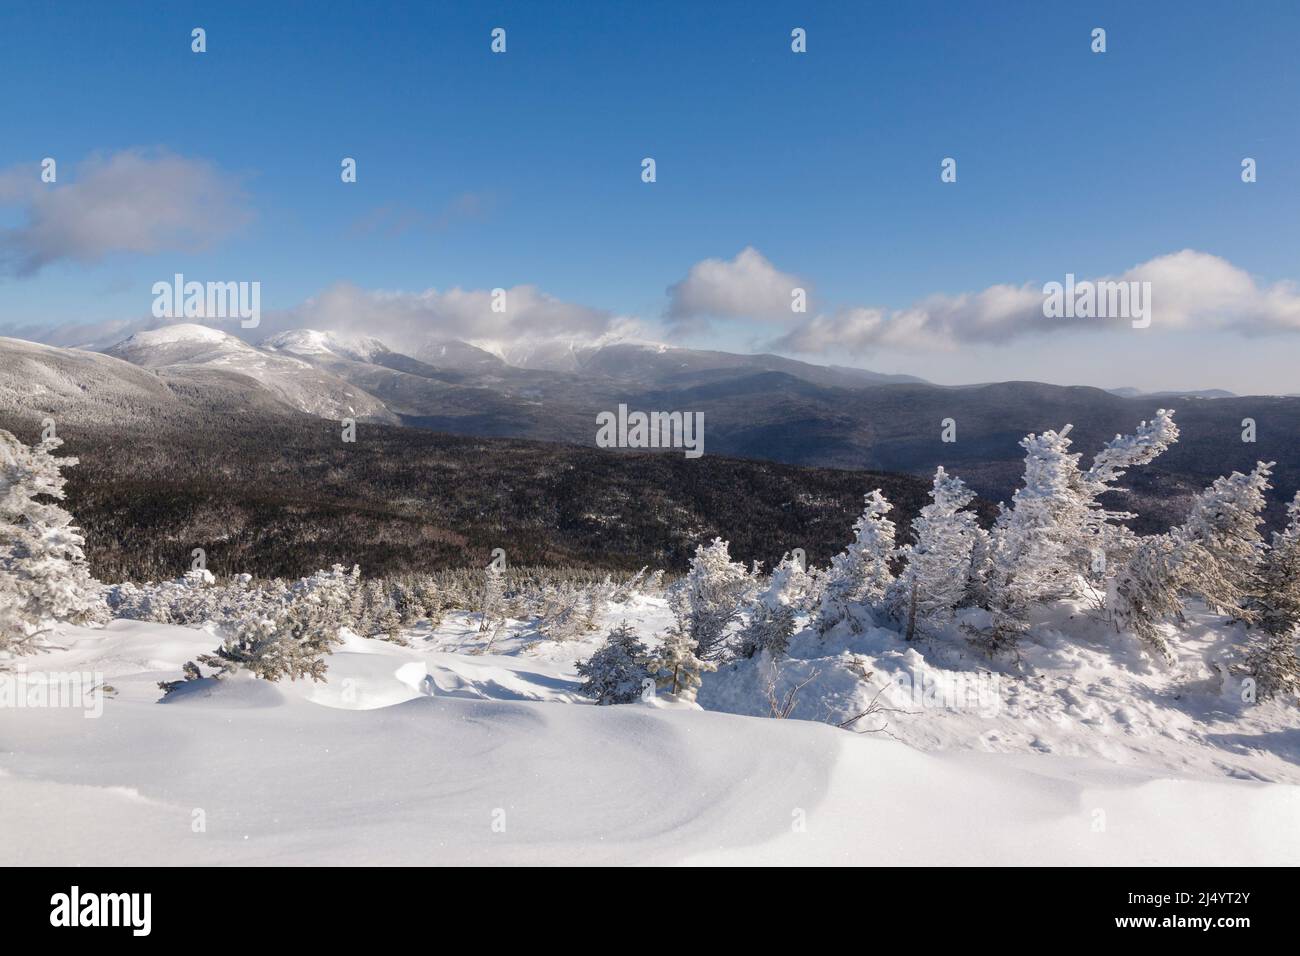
(292, 644)
(981, 566)
(1214, 555)
(409, 606)
(1148, 588)
(597, 597)
(770, 619)
(292, 630)
(332, 591)
(388, 622)
(615, 673)
(563, 614)
(938, 571)
(494, 590)
(860, 574)
(1036, 541)
(1104, 531)
(1056, 533)
(1273, 658)
(43, 574)
(1276, 604)
(710, 598)
(1224, 521)
(678, 670)
(625, 590)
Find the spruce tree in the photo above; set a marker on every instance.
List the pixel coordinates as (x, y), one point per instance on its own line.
(1272, 658)
(43, 574)
(710, 598)
(614, 674)
(678, 670)
(1214, 555)
(771, 616)
(1224, 522)
(938, 570)
(1057, 534)
(859, 575)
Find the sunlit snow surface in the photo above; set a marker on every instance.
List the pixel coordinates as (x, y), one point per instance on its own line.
(453, 751)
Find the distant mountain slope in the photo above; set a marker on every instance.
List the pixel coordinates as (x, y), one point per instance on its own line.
(661, 365)
(92, 389)
(292, 378)
(1168, 393)
(757, 407)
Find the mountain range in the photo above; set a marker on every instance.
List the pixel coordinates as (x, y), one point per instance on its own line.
(756, 407)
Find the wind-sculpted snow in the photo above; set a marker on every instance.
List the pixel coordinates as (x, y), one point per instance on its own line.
(439, 753)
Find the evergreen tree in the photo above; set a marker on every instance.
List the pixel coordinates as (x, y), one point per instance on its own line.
(678, 670)
(292, 644)
(1104, 532)
(1272, 659)
(1215, 555)
(1056, 533)
(562, 615)
(43, 574)
(1035, 541)
(1148, 588)
(771, 617)
(710, 598)
(859, 575)
(614, 674)
(494, 591)
(1276, 604)
(388, 623)
(938, 570)
(1224, 522)
(1274, 663)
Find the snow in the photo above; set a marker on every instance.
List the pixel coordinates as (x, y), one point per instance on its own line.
(466, 747)
(290, 378)
(315, 343)
(180, 332)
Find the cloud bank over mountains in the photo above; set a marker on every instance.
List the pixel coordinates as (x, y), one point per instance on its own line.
(493, 319)
(151, 202)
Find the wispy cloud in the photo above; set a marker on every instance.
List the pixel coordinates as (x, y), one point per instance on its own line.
(393, 220)
(135, 201)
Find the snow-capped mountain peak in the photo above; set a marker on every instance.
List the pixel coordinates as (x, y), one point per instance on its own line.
(316, 343)
(180, 332)
(183, 343)
(286, 373)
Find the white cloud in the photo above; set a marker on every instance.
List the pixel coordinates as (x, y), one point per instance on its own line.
(1190, 291)
(135, 201)
(408, 320)
(746, 287)
(1198, 291)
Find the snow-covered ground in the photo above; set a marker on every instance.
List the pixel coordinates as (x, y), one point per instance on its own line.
(453, 751)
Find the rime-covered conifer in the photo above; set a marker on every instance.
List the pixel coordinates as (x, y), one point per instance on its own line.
(616, 672)
(710, 598)
(43, 574)
(938, 570)
(859, 575)
(771, 616)
(678, 670)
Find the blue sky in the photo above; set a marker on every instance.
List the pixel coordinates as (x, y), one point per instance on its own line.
(478, 170)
